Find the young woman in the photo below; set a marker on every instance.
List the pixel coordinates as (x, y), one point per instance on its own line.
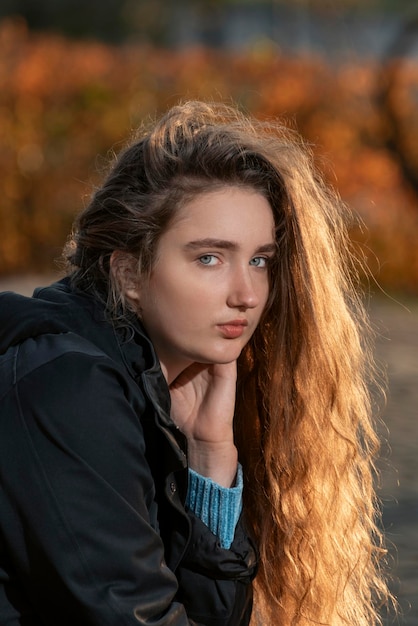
(186, 416)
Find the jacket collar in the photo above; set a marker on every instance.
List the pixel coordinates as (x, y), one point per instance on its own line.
(142, 362)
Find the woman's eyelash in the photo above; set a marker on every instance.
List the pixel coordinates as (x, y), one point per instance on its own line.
(262, 261)
(206, 259)
(212, 259)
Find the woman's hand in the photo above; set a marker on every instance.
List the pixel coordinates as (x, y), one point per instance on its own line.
(203, 403)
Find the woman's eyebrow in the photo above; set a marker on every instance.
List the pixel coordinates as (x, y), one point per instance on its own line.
(268, 247)
(211, 243)
(225, 244)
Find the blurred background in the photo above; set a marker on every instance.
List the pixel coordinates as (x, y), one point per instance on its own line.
(76, 77)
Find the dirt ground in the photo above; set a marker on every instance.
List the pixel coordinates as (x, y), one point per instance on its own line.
(397, 350)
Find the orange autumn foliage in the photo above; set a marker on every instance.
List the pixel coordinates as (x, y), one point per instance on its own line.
(64, 104)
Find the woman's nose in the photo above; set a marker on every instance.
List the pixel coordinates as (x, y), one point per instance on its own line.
(244, 291)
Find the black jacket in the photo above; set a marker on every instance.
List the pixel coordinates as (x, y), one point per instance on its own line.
(93, 477)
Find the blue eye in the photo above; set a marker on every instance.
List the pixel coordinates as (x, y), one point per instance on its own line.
(208, 259)
(259, 261)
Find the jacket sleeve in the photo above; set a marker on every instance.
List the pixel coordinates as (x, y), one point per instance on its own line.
(220, 550)
(79, 502)
(209, 576)
(80, 494)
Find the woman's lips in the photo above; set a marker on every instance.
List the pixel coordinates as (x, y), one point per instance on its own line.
(233, 329)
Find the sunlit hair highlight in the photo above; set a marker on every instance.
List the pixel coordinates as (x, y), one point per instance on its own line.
(303, 421)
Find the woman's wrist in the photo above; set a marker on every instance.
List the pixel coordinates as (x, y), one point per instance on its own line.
(217, 461)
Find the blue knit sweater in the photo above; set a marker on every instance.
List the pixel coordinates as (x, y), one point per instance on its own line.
(218, 507)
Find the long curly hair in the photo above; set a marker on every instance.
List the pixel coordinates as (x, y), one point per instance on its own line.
(303, 423)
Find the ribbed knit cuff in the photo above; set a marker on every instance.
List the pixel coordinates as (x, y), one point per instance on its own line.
(218, 507)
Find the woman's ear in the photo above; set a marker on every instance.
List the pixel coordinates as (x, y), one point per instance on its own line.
(123, 269)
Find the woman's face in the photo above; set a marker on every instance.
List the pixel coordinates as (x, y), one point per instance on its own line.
(210, 281)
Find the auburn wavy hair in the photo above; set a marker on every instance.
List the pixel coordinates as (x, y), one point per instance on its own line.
(303, 424)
